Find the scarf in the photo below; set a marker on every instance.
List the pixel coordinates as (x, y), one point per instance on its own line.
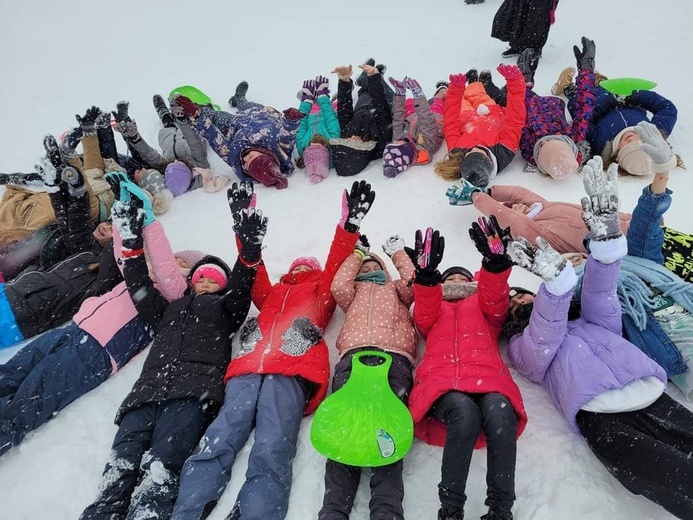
(635, 282)
(378, 277)
(458, 291)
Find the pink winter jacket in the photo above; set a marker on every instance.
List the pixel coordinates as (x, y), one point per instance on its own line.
(103, 316)
(376, 315)
(559, 223)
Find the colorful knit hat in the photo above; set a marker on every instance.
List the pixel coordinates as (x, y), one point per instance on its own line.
(317, 162)
(397, 158)
(178, 178)
(211, 271)
(309, 261)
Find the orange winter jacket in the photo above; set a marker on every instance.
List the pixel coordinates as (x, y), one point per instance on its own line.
(376, 315)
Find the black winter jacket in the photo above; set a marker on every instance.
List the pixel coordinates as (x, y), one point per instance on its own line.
(192, 346)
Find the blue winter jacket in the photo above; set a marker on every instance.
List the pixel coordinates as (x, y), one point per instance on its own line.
(610, 115)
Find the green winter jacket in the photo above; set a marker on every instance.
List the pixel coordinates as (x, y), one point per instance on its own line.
(323, 121)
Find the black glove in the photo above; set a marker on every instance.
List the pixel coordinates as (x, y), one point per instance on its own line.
(585, 57)
(426, 256)
(527, 63)
(114, 179)
(240, 197)
(88, 120)
(492, 242)
(121, 112)
(53, 151)
(250, 228)
(356, 205)
(363, 245)
(128, 217)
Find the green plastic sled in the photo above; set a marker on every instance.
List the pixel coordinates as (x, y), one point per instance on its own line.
(626, 86)
(195, 95)
(363, 423)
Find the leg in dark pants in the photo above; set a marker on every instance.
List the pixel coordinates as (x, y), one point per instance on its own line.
(342, 481)
(648, 451)
(178, 428)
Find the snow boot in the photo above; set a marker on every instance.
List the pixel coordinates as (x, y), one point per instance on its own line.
(163, 112)
(446, 514)
(565, 78)
(511, 52)
(497, 515)
(598, 78)
(241, 91)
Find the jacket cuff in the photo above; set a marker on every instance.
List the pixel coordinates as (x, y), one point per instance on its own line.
(564, 282)
(608, 251)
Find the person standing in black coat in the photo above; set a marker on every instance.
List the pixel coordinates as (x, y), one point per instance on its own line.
(181, 385)
(524, 24)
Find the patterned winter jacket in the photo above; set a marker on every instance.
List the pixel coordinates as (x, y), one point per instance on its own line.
(287, 335)
(376, 315)
(421, 122)
(546, 116)
(112, 318)
(580, 359)
(230, 135)
(499, 130)
(560, 223)
(462, 352)
(321, 120)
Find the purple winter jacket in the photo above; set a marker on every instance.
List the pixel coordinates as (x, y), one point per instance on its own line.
(580, 359)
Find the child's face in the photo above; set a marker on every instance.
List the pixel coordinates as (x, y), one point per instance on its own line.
(456, 278)
(103, 232)
(369, 266)
(206, 286)
(301, 269)
(627, 138)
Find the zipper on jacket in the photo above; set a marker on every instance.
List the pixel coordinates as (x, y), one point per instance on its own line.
(100, 305)
(268, 348)
(455, 348)
(370, 312)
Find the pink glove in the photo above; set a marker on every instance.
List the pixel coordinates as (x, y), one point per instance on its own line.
(510, 72)
(345, 209)
(459, 80)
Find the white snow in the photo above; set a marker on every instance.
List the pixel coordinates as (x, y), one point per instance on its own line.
(59, 58)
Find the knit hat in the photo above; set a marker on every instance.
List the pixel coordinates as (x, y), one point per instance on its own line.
(190, 256)
(479, 168)
(154, 183)
(310, 261)
(177, 178)
(456, 269)
(316, 159)
(211, 271)
(555, 156)
(349, 156)
(516, 291)
(265, 169)
(441, 85)
(397, 158)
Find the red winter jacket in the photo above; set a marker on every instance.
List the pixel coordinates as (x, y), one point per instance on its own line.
(286, 337)
(462, 352)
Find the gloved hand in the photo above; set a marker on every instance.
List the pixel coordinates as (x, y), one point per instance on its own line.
(74, 178)
(654, 145)
(114, 180)
(414, 86)
(393, 244)
(600, 207)
(585, 57)
(308, 90)
(250, 228)
(509, 72)
(129, 217)
(293, 114)
(241, 196)
(343, 72)
(459, 80)
(363, 245)
(53, 153)
(128, 129)
(355, 205)
(400, 89)
(492, 242)
(88, 120)
(135, 192)
(322, 86)
(527, 62)
(544, 261)
(426, 256)
(189, 108)
(120, 114)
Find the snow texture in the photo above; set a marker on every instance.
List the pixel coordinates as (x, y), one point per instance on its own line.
(55, 473)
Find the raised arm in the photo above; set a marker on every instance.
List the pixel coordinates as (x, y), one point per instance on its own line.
(664, 112)
(345, 103)
(394, 248)
(452, 130)
(343, 286)
(515, 110)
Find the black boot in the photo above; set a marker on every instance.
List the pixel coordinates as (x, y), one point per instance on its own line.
(445, 514)
(494, 514)
(495, 93)
(472, 76)
(241, 91)
(527, 63)
(53, 151)
(510, 52)
(162, 111)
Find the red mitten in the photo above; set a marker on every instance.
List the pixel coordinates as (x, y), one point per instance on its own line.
(293, 114)
(459, 80)
(189, 108)
(510, 72)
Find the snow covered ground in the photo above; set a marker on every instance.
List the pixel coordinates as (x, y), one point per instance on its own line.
(58, 58)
